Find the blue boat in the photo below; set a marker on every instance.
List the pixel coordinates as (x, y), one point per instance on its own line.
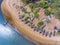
(49, 1)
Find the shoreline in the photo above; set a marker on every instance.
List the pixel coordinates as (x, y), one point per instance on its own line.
(24, 32)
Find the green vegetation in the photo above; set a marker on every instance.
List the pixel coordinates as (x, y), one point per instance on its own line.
(26, 18)
(48, 13)
(35, 14)
(40, 24)
(27, 1)
(56, 5)
(57, 15)
(44, 4)
(53, 11)
(52, 1)
(33, 6)
(58, 33)
(24, 11)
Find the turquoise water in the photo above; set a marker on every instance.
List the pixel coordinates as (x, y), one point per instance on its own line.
(8, 35)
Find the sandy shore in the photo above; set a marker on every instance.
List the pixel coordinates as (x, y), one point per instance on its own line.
(23, 28)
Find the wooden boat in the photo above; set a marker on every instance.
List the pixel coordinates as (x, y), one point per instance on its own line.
(35, 28)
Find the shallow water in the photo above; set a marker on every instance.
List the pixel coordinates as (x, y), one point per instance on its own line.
(8, 35)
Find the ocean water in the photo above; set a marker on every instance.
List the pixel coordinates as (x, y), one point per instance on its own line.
(9, 35)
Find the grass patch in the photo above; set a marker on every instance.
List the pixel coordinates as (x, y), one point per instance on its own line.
(48, 13)
(44, 4)
(40, 24)
(58, 33)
